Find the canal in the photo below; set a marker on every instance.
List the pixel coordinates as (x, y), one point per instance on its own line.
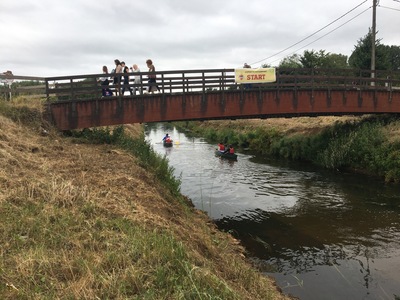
(320, 234)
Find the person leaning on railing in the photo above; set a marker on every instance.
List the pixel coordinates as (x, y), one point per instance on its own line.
(105, 82)
(247, 66)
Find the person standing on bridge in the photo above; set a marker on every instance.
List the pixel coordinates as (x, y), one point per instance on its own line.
(152, 77)
(126, 81)
(135, 69)
(105, 82)
(247, 66)
(117, 78)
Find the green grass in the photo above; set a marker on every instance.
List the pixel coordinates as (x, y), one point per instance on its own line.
(51, 249)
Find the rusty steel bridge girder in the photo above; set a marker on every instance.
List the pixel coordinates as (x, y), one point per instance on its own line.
(217, 105)
(75, 102)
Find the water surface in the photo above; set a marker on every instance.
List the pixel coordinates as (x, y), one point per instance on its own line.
(321, 234)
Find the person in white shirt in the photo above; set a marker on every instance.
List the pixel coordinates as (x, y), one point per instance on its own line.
(137, 81)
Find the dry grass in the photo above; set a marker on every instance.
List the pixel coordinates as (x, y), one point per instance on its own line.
(83, 221)
(301, 125)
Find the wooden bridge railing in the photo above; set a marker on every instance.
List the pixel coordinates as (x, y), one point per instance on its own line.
(181, 81)
(81, 87)
(28, 86)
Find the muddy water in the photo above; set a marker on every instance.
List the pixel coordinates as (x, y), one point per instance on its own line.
(321, 234)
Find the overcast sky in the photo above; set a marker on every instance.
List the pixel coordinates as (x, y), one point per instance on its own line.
(70, 37)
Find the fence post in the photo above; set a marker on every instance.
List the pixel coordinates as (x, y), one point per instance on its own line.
(162, 83)
(47, 89)
(72, 88)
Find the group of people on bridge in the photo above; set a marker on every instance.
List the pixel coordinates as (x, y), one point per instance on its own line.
(121, 79)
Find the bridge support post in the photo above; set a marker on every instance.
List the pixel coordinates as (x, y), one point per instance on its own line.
(360, 99)
(312, 98)
(260, 99)
(329, 98)
(344, 98)
(295, 98)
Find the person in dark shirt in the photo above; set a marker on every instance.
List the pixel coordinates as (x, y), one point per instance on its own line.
(126, 82)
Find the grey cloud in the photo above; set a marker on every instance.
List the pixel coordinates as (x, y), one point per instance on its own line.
(64, 37)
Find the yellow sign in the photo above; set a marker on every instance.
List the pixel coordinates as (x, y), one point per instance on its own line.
(261, 75)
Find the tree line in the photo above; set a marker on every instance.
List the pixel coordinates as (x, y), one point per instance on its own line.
(387, 57)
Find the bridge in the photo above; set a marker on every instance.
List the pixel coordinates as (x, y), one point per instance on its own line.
(76, 102)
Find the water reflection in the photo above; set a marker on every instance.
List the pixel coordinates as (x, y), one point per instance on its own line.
(326, 235)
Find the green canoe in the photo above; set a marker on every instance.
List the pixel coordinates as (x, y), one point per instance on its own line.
(225, 155)
(168, 144)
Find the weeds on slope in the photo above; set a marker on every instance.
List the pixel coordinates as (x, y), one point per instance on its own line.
(139, 147)
(69, 231)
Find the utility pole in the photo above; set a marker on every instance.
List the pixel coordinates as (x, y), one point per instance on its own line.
(373, 37)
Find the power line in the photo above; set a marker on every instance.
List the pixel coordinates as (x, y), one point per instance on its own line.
(389, 7)
(311, 34)
(328, 32)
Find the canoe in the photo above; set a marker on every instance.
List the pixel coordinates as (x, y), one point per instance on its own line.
(168, 144)
(226, 155)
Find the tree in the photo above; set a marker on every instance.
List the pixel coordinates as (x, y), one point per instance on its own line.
(312, 60)
(393, 56)
(292, 61)
(361, 56)
(320, 59)
(333, 60)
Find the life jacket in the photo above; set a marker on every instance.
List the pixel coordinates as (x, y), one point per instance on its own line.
(168, 140)
(221, 147)
(231, 150)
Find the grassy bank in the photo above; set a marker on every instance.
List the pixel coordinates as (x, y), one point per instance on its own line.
(98, 215)
(367, 144)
